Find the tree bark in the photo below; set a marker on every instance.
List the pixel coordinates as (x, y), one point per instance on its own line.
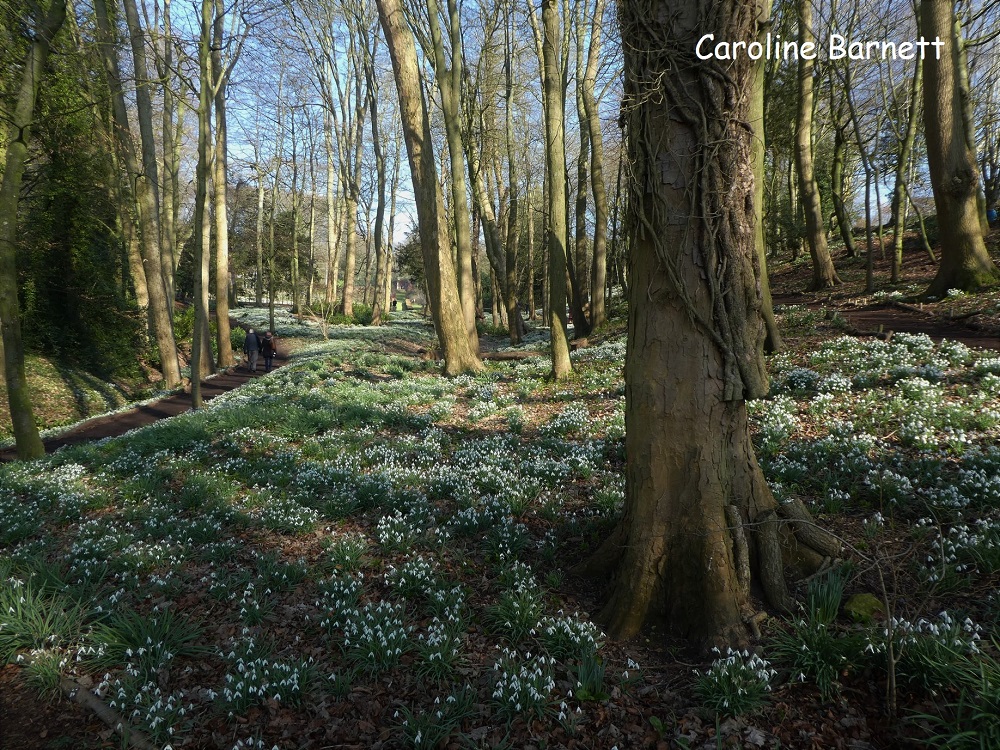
(161, 314)
(838, 181)
(824, 274)
(772, 340)
(694, 353)
(555, 171)
(448, 76)
(965, 263)
(220, 183)
(899, 200)
(29, 444)
(201, 353)
(442, 284)
(599, 267)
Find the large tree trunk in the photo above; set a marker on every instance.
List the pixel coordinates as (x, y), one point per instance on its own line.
(824, 274)
(555, 162)
(442, 284)
(699, 522)
(161, 317)
(954, 176)
(29, 444)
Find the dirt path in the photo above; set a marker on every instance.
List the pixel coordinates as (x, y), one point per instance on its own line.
(895, 317)
(119, 423)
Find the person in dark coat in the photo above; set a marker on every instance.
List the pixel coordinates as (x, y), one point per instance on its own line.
(251, 347)
(268, 349)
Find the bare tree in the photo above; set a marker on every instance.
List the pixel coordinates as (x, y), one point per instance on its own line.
(438, 265)
(824, 274)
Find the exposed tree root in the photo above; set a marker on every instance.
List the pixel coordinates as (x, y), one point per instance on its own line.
(806, 529)
(131, 737)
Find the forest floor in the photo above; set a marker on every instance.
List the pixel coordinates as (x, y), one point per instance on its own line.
(323, 558)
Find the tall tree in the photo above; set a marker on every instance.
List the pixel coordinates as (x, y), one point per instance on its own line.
(160, 307)
(699, 523)
(220, 181)
(447, 62)
(824, 274)
(599, 267)
(965, 263)
(29, 444)
(772, 340)
(201, 352)
(553, 104)
(442, 285)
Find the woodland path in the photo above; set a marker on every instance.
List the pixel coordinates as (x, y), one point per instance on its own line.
(881, 319)
(112, 425)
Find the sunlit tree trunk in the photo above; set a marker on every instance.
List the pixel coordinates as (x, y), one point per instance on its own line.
(160, 312)
(442, 284)
(965, 263)
(599, 267)
(169, 193)
(382, 259)
(220, 183)
(26, 438)
(201, 352)
(824, 274)
(448, 77)
(555, 172)
(144, 116)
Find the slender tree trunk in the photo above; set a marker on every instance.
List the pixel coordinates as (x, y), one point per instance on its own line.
(161, 315)
(442, 284)
(965, 263)
(201, 355)
(29, 444)
(144, 112)
(529, 215)
(332, 222)
(899, 200)
(382, 259)
(837, 180)
(599, 269)
(824, 275)
(350, 220)
(772, 340)
(581, 289)
(220, 183)
(449, 82)
(259, 239)
(964, 90)
(555, 172)
(171, 161)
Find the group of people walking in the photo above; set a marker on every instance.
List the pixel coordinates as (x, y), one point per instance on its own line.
(257, 346)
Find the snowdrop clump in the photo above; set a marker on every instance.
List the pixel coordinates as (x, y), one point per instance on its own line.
(524, 684)
(736, 683)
